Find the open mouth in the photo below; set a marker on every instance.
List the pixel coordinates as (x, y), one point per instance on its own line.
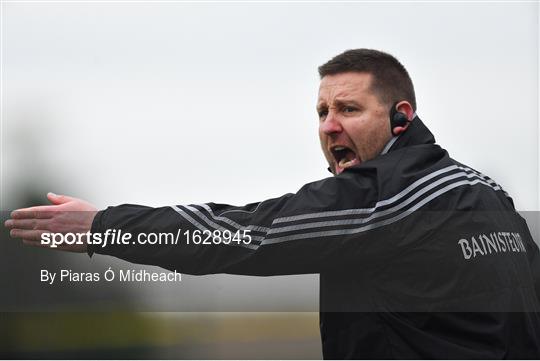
(344, 157)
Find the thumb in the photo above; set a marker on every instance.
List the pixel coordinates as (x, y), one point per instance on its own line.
(58, 199)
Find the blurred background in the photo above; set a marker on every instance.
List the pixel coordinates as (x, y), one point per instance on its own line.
(162, 103)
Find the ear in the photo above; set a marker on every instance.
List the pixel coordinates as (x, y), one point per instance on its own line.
(406, 108)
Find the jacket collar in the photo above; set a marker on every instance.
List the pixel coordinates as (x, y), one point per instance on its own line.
(417, 133)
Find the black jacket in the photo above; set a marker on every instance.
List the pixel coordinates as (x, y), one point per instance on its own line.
(419, 256)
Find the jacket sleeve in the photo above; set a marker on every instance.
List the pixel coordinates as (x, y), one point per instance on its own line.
(292, 234)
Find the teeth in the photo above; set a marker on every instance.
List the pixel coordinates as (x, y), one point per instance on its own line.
(339, 148)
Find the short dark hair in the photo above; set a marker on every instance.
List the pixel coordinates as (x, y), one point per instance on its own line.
(391, 81)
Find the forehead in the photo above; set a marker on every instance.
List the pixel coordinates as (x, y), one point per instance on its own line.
(350, 84)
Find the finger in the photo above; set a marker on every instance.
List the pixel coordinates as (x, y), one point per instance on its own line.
(58, 198)
(34, 212)
(26, 223)
(32, 235)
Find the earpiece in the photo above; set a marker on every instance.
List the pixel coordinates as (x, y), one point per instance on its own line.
(397, 119)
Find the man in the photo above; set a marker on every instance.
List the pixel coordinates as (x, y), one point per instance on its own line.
(419, 255)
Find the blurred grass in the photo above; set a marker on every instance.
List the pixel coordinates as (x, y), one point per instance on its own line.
(160, 335)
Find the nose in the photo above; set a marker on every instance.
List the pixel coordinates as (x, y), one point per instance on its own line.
(330, 125)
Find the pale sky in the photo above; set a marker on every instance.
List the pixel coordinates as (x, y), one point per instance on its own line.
(175, 103)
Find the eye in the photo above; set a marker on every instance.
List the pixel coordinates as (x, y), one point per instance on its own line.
(348, 109)
(322, 113)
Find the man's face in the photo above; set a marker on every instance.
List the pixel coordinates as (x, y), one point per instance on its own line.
(353, 125)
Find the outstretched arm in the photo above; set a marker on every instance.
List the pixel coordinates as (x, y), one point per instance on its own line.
(307, 232)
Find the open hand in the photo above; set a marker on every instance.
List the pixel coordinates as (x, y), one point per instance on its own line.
(65, 215)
